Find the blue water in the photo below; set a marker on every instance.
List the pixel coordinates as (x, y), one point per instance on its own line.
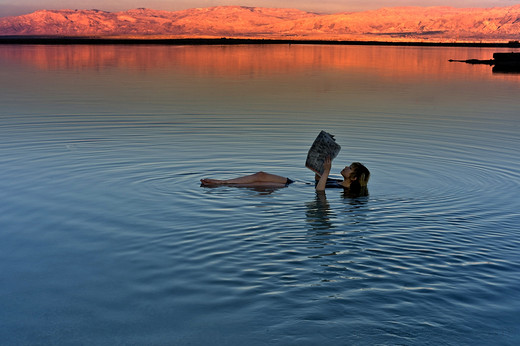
(106, 236)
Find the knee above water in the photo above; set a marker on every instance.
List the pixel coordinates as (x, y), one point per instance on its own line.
(261, 174)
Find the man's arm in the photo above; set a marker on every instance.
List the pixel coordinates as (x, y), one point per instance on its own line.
(323, 179)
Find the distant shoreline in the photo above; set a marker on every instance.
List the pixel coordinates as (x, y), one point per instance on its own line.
(76, 40)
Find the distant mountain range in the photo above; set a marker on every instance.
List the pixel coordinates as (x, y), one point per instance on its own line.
(386, 24)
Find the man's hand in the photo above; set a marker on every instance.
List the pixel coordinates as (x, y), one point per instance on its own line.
(327, 164)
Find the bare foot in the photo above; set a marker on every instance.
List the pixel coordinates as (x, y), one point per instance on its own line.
(212, 182)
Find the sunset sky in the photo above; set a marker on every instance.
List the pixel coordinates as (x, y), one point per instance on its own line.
(10, 7)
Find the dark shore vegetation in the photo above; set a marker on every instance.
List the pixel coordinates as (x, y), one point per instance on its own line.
(70, 40)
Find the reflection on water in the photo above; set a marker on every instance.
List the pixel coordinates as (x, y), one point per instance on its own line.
(319, 214)
(107, 237)
(254, 60)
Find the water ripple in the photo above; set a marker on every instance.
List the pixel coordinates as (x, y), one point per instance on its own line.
(103, 218)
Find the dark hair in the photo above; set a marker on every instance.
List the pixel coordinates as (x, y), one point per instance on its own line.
(358, 186)
(361, 173)
(355, 190)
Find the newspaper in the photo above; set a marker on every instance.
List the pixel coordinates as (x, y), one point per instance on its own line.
(324, 146)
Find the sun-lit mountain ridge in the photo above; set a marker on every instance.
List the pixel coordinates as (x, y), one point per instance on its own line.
(397, 23)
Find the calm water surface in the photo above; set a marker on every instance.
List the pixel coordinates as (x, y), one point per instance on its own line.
(107, 238)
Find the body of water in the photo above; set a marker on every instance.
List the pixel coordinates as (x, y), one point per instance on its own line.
(106, 236)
